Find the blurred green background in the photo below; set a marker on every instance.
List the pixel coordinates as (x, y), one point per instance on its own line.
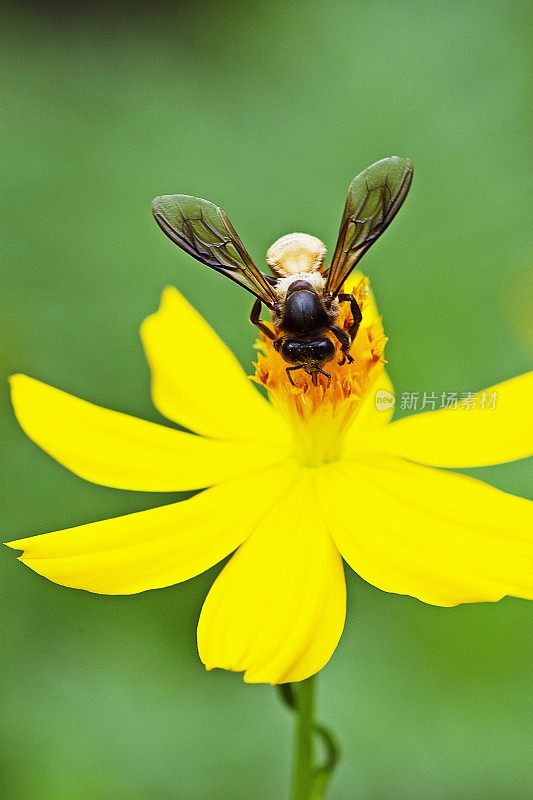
(269, 110)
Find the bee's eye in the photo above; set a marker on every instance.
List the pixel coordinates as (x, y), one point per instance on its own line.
(317, 350)
(322, 349)
(292, 352)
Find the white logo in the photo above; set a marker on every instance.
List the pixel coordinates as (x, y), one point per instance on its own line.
(384, 400)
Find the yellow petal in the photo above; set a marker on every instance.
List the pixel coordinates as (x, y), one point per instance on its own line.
(114, 449)
(197, 381)
(441, 537)
(277, 609)
(466, 437)
(376, 410)
(158, 547)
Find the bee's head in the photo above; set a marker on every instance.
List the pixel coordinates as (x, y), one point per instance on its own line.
(295, 253)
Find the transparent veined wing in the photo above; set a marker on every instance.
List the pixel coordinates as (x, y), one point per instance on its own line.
(203, 230)
(374, 198)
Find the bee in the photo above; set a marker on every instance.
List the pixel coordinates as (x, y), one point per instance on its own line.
(302, 295)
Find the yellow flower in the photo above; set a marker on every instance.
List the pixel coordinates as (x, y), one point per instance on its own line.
(293, 484)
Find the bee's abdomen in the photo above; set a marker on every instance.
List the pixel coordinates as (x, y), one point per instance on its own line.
(304, 314)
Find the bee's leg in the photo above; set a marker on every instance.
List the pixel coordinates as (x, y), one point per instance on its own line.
(314, 375)
(288, 370)
(356, 313)
(255, 319)
(346, 342)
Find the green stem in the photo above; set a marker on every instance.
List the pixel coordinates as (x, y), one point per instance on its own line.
(309, 781)
(303, 764)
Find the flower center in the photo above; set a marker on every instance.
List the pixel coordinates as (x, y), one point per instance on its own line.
(319, 415)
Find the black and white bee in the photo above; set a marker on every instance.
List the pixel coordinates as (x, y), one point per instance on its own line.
(302, 296)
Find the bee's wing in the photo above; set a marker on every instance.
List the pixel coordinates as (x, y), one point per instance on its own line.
(374, 197)
(203, 230)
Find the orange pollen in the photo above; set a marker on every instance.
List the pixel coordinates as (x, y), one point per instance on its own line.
(320, 415)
